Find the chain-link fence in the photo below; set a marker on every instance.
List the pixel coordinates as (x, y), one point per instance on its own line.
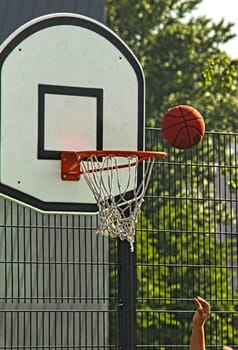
(64, 287)
(187, 244)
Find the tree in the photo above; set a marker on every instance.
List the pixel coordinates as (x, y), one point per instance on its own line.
(183, 64)
(181, 58)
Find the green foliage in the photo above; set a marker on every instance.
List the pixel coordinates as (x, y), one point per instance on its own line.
(181, 58)
(180, 253)
(176, 266)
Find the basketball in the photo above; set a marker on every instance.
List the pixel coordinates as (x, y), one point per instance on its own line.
(182, 127)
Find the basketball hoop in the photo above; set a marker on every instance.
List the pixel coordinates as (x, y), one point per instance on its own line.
(119, 202)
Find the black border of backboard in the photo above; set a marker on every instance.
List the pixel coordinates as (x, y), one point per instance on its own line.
(43, 90)
(85, 22)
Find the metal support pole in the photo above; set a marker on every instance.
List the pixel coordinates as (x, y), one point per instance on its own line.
(127, 297)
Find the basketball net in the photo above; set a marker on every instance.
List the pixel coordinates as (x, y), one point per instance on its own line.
(117, 214)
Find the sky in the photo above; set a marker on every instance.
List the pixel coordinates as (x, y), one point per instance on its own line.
(218, 9)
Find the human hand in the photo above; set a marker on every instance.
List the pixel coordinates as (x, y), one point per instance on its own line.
(202, 312)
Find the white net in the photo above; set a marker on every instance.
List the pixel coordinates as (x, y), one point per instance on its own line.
(118, 194)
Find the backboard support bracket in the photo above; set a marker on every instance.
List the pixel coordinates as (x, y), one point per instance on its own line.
(70, 168)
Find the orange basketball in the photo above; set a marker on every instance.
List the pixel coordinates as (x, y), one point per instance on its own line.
(183, 126)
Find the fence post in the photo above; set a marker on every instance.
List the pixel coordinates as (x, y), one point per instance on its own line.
(127, 296)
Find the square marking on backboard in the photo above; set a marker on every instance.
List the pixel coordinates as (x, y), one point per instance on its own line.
(69, 119)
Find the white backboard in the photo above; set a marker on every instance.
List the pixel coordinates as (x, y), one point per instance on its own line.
(68, 83)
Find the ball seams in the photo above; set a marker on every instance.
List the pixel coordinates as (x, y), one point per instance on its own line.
(180, 116)
(180, 122)
(178, 134)
(189, 127)
(191, 143)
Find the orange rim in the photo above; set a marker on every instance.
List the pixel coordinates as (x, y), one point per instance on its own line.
(71, 168)
(141, 155)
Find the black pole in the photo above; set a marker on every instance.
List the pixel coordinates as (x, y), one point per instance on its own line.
(127, 296)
